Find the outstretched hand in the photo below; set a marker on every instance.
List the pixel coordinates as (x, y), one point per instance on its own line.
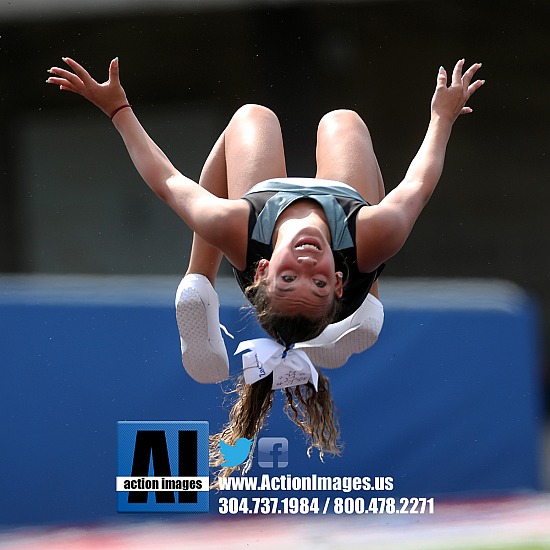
(450, 102)
(108, 96)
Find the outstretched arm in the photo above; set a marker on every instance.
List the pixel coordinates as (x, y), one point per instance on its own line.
(195, 205)
(395, 216)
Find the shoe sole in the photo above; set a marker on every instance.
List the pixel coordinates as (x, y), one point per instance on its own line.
(200, 360)
(337, 355)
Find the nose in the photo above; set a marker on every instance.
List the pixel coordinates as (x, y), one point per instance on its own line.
(307, 261)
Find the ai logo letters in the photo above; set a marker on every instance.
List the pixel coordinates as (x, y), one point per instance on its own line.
(273, 452)
(163, 467)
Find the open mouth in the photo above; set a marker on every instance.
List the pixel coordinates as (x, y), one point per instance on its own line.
(308, 244)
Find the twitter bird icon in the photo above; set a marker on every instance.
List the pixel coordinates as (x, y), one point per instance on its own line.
(237, 454)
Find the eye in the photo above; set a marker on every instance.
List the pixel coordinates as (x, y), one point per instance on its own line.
(321, 284)
(288, 278)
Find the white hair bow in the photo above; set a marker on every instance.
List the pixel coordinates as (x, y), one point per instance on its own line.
(290, 367)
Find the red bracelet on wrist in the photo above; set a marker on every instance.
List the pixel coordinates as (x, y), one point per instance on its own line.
(119, 109)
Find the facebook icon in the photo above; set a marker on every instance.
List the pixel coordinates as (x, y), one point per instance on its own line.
(273, 452)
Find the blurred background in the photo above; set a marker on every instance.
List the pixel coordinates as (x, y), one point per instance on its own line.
(72, 204)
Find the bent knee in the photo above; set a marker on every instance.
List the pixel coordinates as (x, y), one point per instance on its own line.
(341, 119)
(253, 111)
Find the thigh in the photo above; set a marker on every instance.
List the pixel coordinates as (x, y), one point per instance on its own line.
(253, 147)
(248, 151)
(345, 153)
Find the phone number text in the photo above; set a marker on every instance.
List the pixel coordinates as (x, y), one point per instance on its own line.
(336, 505)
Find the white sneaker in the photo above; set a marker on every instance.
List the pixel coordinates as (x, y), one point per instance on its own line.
(203, 350)
(354, 334)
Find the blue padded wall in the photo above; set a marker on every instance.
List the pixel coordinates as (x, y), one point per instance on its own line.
(447, 403)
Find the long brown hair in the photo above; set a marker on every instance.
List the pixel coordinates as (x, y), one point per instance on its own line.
(313, 411)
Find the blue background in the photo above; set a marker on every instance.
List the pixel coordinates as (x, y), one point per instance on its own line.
(447, 402)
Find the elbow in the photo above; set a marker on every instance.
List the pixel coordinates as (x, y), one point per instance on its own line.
(162, 193)
(164, 187)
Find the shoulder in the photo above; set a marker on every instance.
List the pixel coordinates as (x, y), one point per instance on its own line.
(377, 236)
(229, 214)
(232, 231)
(235, 209)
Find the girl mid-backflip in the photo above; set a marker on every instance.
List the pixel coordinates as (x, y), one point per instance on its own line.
(306, 252)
